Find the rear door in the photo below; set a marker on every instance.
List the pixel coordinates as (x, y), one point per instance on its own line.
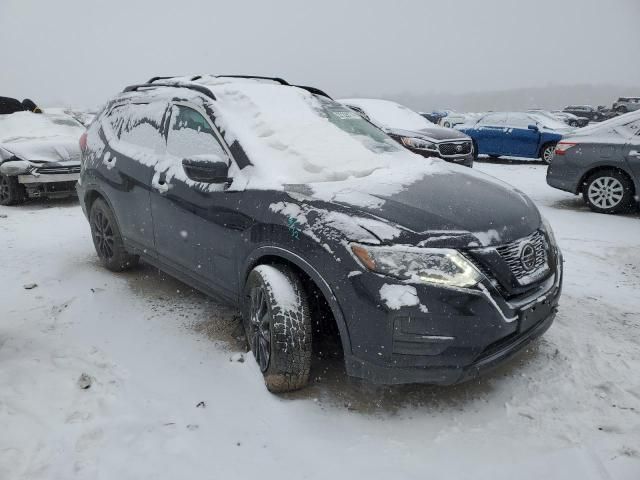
(519, 140)
(489, 133)
(133, 133)
(197, 225)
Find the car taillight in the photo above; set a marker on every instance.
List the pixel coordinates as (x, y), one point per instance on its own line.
(562, 147)
(83, 141)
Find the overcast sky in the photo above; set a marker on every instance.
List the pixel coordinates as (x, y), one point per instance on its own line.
(79, 52)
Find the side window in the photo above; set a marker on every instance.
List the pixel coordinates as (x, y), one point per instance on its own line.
(191, 135)
(520, 120)
(493, 119)
(139, 124)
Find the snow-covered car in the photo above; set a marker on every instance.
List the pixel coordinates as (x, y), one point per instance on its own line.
(39, 156)
(570, 119)
(414, 131)
(626, 104)
(312, 221)
(451, 119)
(601, 162)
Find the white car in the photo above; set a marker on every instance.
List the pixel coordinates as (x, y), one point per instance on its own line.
(39, 156)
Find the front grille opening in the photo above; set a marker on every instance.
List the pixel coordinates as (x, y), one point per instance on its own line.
(454, 148)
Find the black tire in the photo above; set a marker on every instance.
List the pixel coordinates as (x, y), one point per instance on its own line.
(475, 151)
(107, 238)
(277, 324)
(573, 123)
(609, 191)
(494, 157)
(621, 109)
(546, 152)
(11, 192)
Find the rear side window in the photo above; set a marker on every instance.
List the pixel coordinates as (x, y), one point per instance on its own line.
(139, 124)
(520, 120)
(494, 119)
(190, 134)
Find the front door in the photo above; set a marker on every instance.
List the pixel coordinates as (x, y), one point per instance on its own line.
(519, 139)
(489, 133)
(197, 225)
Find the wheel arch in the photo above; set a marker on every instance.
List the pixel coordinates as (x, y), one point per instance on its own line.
(272, 254)
(601, 167)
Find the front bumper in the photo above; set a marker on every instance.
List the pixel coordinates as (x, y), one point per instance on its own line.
(466, 160)
(453, 335)
(48, 178)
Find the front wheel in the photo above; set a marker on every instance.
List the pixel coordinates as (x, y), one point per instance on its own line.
(107, 238)
(277, 324)
(608, 191)
(11, 192)
(546, 153)
(573, 123)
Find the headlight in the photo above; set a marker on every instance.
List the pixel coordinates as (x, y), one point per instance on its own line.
(547, 228)
(440, 266)
(418, 143)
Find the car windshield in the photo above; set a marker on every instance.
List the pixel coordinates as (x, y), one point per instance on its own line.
(27, 126)
(293, 136)
(548, 121)
(390, 114)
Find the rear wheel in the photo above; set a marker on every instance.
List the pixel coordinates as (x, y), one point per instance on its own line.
(608, 191)
(107, 238)
(546, 152)
(621, 109)
(11, 192)
(277, 323)
(573, 123)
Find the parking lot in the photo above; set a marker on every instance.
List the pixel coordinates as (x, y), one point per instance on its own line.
(170, 380)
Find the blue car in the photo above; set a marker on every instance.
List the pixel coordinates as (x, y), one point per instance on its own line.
(515, 134)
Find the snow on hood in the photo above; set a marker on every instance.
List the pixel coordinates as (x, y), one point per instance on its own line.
(294, 137)
(41, 137)
(389, 114)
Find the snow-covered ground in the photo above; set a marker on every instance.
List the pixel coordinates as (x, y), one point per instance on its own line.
(172, 397)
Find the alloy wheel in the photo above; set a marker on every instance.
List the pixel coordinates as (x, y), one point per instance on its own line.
(103, 235)
(605, 192)
(547, 153)
(260, 319)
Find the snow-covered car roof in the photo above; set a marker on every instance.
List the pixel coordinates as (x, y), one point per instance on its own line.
(389, 114)
(609, 125)
(292, 136)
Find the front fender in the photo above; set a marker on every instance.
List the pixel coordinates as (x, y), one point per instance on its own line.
(290, 256)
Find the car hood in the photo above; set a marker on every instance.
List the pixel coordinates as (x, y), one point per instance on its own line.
(454, 208)
(50, 149)
(434, 133)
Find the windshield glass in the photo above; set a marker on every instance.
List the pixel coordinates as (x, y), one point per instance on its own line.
(293, 136)
(390, 114)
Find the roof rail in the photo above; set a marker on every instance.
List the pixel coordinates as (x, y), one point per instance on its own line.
(155, 79)
(281, 81)
(192, 86)
(314, 90)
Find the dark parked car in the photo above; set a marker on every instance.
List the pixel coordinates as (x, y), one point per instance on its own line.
(601, 162)
(414, 131)
(515, 134)
(571, 119)
(311, 220)
(587, 111)
(39, 156)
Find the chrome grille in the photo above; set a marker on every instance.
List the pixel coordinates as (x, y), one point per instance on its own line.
(449, 149)
(512, 254)
(58, 170)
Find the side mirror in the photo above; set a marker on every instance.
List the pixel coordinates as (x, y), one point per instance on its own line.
(207, 169)
(533, 127)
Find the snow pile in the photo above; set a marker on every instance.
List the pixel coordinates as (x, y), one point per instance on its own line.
(389, 114)
(398, 296)
(24, 126)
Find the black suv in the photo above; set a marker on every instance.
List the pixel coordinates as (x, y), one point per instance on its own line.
(291, 206)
